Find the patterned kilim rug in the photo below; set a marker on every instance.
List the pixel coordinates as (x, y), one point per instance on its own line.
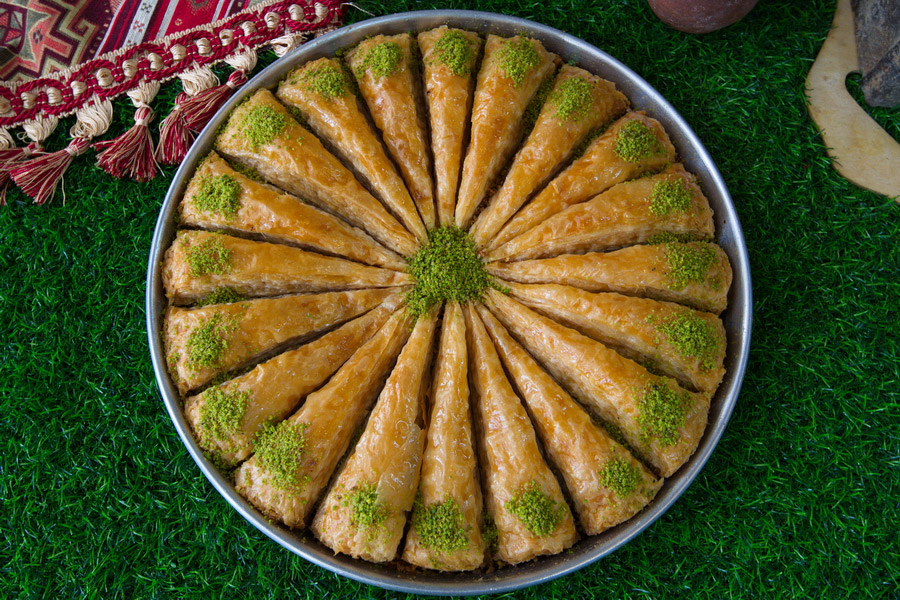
(59, 58)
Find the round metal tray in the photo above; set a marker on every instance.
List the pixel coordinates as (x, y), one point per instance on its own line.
(737, 317)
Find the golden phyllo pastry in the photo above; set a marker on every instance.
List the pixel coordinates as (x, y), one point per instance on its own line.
(607, 484)
(668, 204)
(202, 343)
(632, 146)
(323, 95)
(697, 274)
(385, 68)
(221, 198)
(294, 459)
(686, 344)
(577, 104)
(511, 72)
(227, 418)
(449, 57)
(522, 495)
(200, 262)
(364, 512)
(262, 135)
(445, 529)
(662, 421)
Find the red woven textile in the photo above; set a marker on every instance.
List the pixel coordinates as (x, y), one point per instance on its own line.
(62, 57)
(39, 37)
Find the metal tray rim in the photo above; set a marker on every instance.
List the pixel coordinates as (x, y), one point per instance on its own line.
(738, 317)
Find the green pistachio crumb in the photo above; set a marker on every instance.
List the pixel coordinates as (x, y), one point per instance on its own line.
(456, 51)
(381, 60)
(222, 412)
(248, 172)
(448, 267)
(688, 263)
(208, 341)
(636, 142)
(692, 336)
(279, 449)
(573, 98)
(262, 124)
(619, 475)
(365, 509)
(667, 237)
(669, 196)
(214, 455)
(219, 194)
(533, 110)
(518, 57)
(615, 432)
(540, 513)
(220, 295)
(327, 81)
(298, 116)
(490, 533)
(209, 257)
(439, 525)
(663, 411)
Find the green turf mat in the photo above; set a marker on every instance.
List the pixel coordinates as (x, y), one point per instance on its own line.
(101, 500)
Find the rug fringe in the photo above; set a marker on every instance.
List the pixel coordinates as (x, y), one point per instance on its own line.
(12, 157)
(174, 136)
(38, 177)
(282, 24)
(131, 154)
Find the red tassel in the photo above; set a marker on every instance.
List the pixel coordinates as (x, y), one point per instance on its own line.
(38, 177)
(174, 136)
(4, 185)
(191, 114)
(130, 154)
(11, 157)
(199, 109)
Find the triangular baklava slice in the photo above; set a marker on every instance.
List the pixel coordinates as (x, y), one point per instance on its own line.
(697, 274)
(445, 527)
(449, 57)
(364, 512)
(668, 204)
(685, 344)
(388, 77)
(202, 343)
(200, 262)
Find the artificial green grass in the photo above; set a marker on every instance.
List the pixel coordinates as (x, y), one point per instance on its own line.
(800, 499)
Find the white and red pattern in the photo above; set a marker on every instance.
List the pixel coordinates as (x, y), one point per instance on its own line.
(189, 36)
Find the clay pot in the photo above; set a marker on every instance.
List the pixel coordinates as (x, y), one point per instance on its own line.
(701, 16)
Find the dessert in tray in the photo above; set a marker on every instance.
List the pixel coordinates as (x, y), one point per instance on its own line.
(445, 302)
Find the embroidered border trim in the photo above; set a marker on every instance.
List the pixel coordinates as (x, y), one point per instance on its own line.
(116, 73)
